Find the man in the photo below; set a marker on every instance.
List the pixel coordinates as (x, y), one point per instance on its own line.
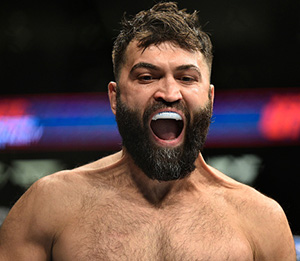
(156, 199)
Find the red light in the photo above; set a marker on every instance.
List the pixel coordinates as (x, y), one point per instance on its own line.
(280, 118)
(15, 107)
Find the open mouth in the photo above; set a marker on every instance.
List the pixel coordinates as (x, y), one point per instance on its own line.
(167, 125)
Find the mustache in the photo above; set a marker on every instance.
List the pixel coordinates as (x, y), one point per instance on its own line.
(158, 105)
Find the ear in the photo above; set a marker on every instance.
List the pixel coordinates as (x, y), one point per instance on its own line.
(212, 93)
(112, 94)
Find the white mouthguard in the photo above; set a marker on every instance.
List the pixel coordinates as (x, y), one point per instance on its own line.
(167, 115)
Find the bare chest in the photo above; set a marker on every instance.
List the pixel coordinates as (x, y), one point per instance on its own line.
(128, 232)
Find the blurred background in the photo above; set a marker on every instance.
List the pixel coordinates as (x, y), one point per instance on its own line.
(55, 64)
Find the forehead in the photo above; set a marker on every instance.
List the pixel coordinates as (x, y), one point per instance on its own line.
(164, 54)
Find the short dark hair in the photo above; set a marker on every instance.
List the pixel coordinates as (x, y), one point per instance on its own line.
(163, 22)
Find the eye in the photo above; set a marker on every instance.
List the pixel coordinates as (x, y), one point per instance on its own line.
(145, 78)
(187, 79)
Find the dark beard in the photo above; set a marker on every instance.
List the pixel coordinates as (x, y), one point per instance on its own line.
(162, 163)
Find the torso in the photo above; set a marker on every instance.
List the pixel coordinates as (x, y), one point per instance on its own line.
(121, 230)
(116, 225)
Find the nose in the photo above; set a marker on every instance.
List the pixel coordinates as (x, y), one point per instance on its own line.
(168, 91)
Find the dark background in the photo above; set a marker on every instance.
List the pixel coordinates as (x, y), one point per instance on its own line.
(59, 46)
(65, 46)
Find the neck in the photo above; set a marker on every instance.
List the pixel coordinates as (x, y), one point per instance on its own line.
(158, 192)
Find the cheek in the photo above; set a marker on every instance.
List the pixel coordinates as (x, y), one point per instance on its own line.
(136, 98)
(196, 98)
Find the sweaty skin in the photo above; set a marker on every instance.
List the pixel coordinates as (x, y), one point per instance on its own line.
(96, 212)
(110, 209)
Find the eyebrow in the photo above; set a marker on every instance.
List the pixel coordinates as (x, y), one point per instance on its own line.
(144, 65)
(151, 66)
(188, 67)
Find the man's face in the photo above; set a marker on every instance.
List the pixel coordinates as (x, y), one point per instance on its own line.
(163, 108)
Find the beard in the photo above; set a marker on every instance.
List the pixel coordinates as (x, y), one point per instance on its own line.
(157, 162)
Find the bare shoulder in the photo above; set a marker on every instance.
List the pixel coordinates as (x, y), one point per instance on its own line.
(62, 191)
(263, 218)
(268, 226)
(34, 222)
(66, 187)
(45, 199)
(41, 214)
(247, 199)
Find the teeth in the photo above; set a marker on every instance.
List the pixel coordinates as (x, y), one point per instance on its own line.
(167, 115)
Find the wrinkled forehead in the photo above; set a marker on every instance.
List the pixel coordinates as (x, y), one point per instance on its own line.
(165, 52)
